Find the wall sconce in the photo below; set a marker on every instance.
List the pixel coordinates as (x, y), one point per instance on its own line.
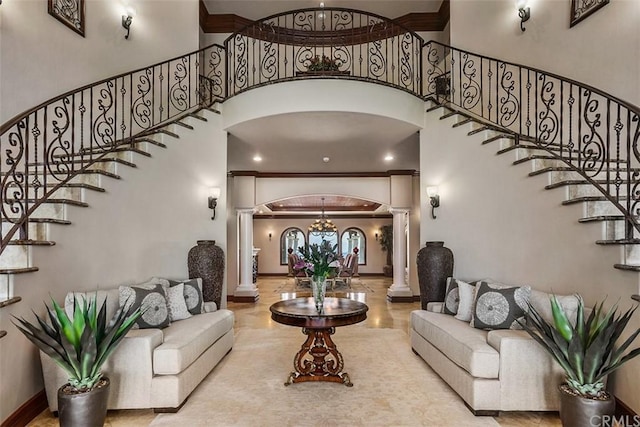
(524, 12)
(214, 194)
(270, 236)
(376, 236)
(434, 199)
(127, 18)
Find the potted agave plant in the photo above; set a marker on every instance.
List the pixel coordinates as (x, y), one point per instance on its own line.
(587, 353)
(80, 345)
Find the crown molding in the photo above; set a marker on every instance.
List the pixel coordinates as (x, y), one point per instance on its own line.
(230, 23)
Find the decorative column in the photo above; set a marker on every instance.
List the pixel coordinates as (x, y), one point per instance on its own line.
(246, 290)
(399, 291)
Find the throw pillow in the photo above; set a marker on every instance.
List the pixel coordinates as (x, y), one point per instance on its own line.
(177, 305)
(192, 294)
(451, 297)
(498, 307)
(152, 299)
(466, 293)
(541, 302)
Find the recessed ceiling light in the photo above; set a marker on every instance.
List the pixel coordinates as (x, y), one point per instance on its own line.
(365, 205)
(260, 211)
(257, 158)
(326, 159)
(388, 157)
(281, 205)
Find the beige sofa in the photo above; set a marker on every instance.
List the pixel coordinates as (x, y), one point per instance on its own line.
(492, 371)
(156, 368)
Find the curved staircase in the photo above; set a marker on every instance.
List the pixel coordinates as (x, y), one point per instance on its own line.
(584, 140)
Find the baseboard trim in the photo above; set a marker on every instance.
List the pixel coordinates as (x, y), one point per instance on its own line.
(413, 298)
(232, 298)
(28, 411)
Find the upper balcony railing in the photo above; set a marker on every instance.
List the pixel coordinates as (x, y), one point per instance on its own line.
(52, 144)
(324, 42)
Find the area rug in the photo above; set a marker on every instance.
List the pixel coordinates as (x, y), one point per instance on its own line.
(392, 386)
(357, 285)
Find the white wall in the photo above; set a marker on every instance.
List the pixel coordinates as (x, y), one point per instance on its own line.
(502, 224)
(601, 51)
(270, 249)
(41, 58)
(143, 226)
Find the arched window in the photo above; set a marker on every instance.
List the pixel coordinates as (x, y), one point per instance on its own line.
(291, 238)
(354, 238)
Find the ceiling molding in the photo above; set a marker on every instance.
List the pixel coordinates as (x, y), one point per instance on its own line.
(386, 174)
(302, 216)
(230, 23)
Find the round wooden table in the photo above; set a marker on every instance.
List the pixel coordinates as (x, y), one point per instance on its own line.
(318, 358)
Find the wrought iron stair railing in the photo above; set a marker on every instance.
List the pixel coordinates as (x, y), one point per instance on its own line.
(51, 144)
(593, 133)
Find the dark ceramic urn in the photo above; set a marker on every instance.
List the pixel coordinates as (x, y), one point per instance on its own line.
(86, 409)
(435, 264)
(206, 260)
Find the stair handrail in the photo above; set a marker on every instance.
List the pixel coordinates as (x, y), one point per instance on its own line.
(49, 145)
(591, 132)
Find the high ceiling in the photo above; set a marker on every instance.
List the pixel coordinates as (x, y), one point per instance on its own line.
(302, 142)
(256, 9)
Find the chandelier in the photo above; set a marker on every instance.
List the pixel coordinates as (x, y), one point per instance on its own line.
(322, 225)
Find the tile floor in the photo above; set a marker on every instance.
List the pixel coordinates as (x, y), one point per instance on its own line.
(382, 314)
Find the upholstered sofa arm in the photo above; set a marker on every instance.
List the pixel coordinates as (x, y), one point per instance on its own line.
(129, 369)
(435, 307)
(525, 367)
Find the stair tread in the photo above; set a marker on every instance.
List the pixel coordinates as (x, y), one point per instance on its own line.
(627, 267)
(62, 201)
(18, 270)
(599, 218)
(10, 301)
(44, 221)
(569, 169)
(102, 160)
(588, 199)
(635, 297)
(462, 122)
(576, 182)
(550, 157)
(497, 137)
(195, 116)
(618, 242)
(184, 125)
(30, 242)
(3, 333)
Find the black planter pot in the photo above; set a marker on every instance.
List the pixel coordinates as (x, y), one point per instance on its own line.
(435, 264)
(577, 411)
(206, 260)
(84, 409)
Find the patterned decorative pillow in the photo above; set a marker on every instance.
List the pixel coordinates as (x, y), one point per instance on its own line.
(153, 299)
(541, 301)
(177, 305)
(451, 297)
(498, 307)
(192, 294)
(467, 294)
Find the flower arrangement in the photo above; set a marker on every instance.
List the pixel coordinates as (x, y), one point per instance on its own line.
(323, 64)
(318, 261)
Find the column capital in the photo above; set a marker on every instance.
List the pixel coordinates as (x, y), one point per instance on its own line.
(397, 211)
(246, 210)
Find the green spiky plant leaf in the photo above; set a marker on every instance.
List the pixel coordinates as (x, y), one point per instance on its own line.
(586, 351)
(81, 344)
